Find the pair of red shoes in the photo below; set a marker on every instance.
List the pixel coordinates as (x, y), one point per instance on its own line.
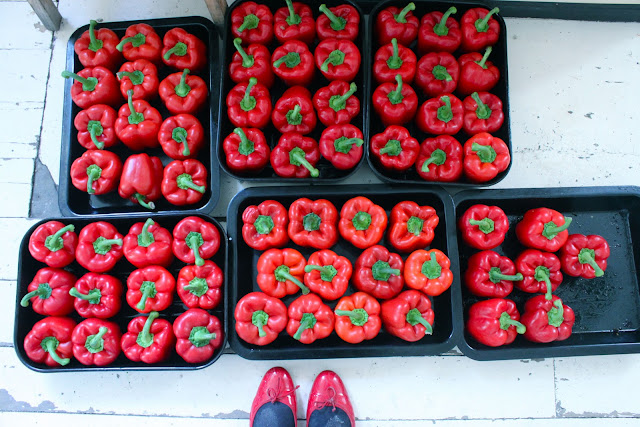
(327, 391)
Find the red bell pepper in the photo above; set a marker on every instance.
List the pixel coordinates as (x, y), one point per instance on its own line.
(440, 159)
(483, 227)
(184, 182)
(428, 271)
(49, 341)
(482, 113)
(441, 115)
(357, 318)
(97, 295)
(340, 22)
(96, 172)
(408, 316)
(182, 93)
(336, 104)
(309, 319)
(547, 320)
(494, 322)
(99, 247)
(96, 342)
(265, 226)
(396, 104)
(198, 335)
(148, 339)
(260, 318)
(195, 240)
(313, 223)
(412, 226)
(294, 112)
(138, 124)
(393, 59)
(147, 243)
(341, 145)
(328, 274)
(95, 127)
(246, 150)
(141, 76)
(479, 29)
(439, 32)
(294, 22)
(338, 59)
(379, 273)
(438, 73)
(252, 22)
(280, 272)
(141, 180)
(490, 275)
(48, 292)
(394, 148)
(141, 41)
(249, 105)
(150, 289)
(54, 244)
(93, 86)
(485, 156)
(181, 137)
(98, 48)
(254, 61)
(477, 74)
(544, 229)
(396, 23)
(295, 156)
(293, 63)
(585, 256)
(362, 222)
(183, 50)
(541, 271)
(201, 287)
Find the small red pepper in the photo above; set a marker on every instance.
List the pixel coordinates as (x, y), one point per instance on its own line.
(98, 48)
(341, 145)
(138, 124)
(93, 86)
(438, 73)
(183, 50)
(309, 319)
(265, 226)
(313, 223)
(477, 74)
(408, 316)
(336, 104)
(148, 339)
(201, 287)
(362, 223)
(396, 104)
(327, 274)
(141, 76)
(439, 32)
(585, 256)
(48, 292)
(541, 271)
(181, 137)
(485, 156)
(294, 22)
(96, 342)
(393, 59)
(338, 59)
(260, 318)
(379, 273)
(147, 243)
(252, 22)
(441, 115)
(249, 105)
(412, 226)
(49, 341)
(198, 335)
(479, 29)
(254, 61)
(394, 148)
(246, 150)
(293, 63)
(195, 240)
(54, 244)
(295, 156)
(150, 289)
(440, 159)
(428, 271)
(141, 180)
(544, 229)
(340, 22)
(280, 272)
(490, 275)
(547, 320)
(396, 23)
(95, 127)
(99, 247)
(357, 318)
(294, 112)
(182, 93)
(482, 113)
(96, 172)
(97, 295)
(483, 227)
(184, 182)
(141, 41)
(494, 322)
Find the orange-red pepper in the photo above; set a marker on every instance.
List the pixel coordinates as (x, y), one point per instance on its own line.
(357, 318)
(313, 223)
(379, 273)
(49, 341)
(280, 272)
(260, 318)
(195, 240)
(93, 86)
(201, 286)
(265, 226)
(440, 159)
(181, 137)
(485, 156)
(138, 124)
(428, 271)
(198, 335)
(362, 222)
(328, 274)
(96, 342)
(309, 319)
(412, 226)
(408, 316)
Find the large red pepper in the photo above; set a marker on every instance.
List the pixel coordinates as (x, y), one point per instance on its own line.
(439, 32)
(49, 341)
(336, 104)
(482, 113)
(96, 172)
(138, 124)
(98, 48)
(477, 74)
(293, 63)
(182, 93)
(338, 59)
(294, 112)
(93, 86)
(393, 59)
(328, 274)
(441, 115)
(341, 145)
(397, 23)
(408, 316)
(246, 150)
(396, 104)
(412, 226)
(198, 335)
(95, 127)
(309, 319)
(48, 292)
(479, 29)
(184, 182)
(395, 148)
(249, 104)
(438, 73)
(485, 156)
(547, 320)
(428, 271)
(294, 22)
(54, 244)
(585, 256)
(260, 318)
(490, 275)
(147, 243)
(96, 342)
(148, 339)
(150, 289)
(141, 41)
(252, 22)
(440, 159)
(483, 227)
(340, 22)
(141, 180)
(181, 137)
(295, 156)
(254, 61)
(265, 226)
(379, 273)
(99, 247)
(540, 271)
(544, 229)
(280, 272)
(362, 222)
(195, 240)
(357, 318)
(141, 76)
(313, 223)
(97, 295)
(494, 322)
(201, 287)
(183, 50)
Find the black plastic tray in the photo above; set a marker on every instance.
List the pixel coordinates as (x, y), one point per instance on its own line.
(25, 317)
(607, 308)
(328, 173)
(498, 57)
(74, 202)
(244, 261)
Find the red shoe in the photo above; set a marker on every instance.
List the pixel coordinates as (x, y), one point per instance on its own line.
(328, 390)
(276, 386)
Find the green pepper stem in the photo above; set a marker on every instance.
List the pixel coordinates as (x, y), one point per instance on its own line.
(145, 238)
(585, 257)
(441, 28)
(343, 98)
(140, 199)
(308, 321)
(486, 225)
(483, 61)
(185, 181)
(145, 337)
(482, 25)
(337, 23)
(335, 58)
(414, 317)
(136, 77)
(298, 283)
(43, 291)
(393, 147)
(551, 230)
(441, 73)
(93, 296)
(486, 153)
(250, 22)
(246, 146)
(147, 292)
(249, 102)
(50, 346)
(95, 44)
(293, 116)
(483, 111)
(179, 49)
(137, 41)
(401, 18)
(135, 117)
(180, 135)
(358, 316)
(495, 275)
(345, 145)
(200, 336)
(88, 84)
(302, 160)
(95, 129)
(195, 247)
(394, 62)
(431, 268)
(260, 318)
(445, 113)
(556, 314)
(506, 321)
(293, 18)
(55, 242)
(395, 96)
(93, 174)
(438, 157)
(247, 60)
(96, 341)
(183, 89)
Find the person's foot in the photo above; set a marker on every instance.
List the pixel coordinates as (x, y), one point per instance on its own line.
(275, 401)
(329, 404)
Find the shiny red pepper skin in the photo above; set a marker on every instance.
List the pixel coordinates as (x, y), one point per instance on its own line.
(541, 271)
(194, 236)
(93, 86)
(246, 150)
(96, 172)
(198, 335)
(141, 76)
(309, 319)
(54, 244)
(392, 59)
(412, 226)
(138, 131)
(339, 66)
(141, 41)
(100, 52)
(480, 163)
(147, 243)
(183, 50)
(490, 275)
(265, 226)
(293, 63)
(294, 112)
(483, 116)
(306, 153)
(433, 36)
(294, 22)
(544, 229)
(184, 182)
(428, 271)
(585, 256)
(383, 281)
(394, 148)
(342, 146)
(252, 61)
(313, 223)
(408, 316)
(201, 287)
(97, 295)
(250, 108)
(438, 74)
(397, 23)
(150, 289)
(483, 227)
(181, 137)
(50, 335)
(362, 223)
(357, 318)
(547, 320)
(340, 22)
(141, 180)
(48, 292)
(260, 318)
(395, 103)
(494, 322)
(477, 74)
(96, 342)
(182, 93)
(327, 274)
(336, 104)
(442, 115)
(99, 247)
(98, 120)
(148, 339)
(478, 29)
(440, 159)
(252, 22)
(280, 272)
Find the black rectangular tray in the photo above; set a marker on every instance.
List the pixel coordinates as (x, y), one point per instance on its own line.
(244, 261)
(74, 202)
(328, 174)
(25, 317)
(607, 309)
(498, 57)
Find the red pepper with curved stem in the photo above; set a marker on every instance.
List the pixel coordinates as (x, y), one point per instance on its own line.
(397, 23)
(260, 318)
(54, 244)
(246, 150)
(249, 104)
(293, 63)
(183, 50)
(483, 227)
(49, 341)
(98, 48)
(99, 247)
(408, 316)
(327, 274)
(393, 59)
(96, 342)
(201, 287)
(441, 115)
(138, 124)
(428, 271)
(150, 289)
(477, 74)
(254, 61)
(438, 73)
(490, 275)
(265, 226)
(479, 28)
(494, 322)
(379, 273)
(141, 76)
(97, 295)
(95, 127)
(440, 159)
(547, 320)
(485, 156)
(338, 59)
(544, 229)
(96, 172)
(439, 32)
(294, 112)
(342, 145)
(412, 226)
(295, 156)
(183, 93)
(541, 271)
(181, 137)
(309, 319)
(148, 339)
(280, 272)
(357, 318)
(141, 180)
(184, 182)
(198, 335)
(340, 22)
(585, 256)
(48, 292)
(252, 22)
(294, 22)
(93, 86)
(195, 240)
(313, 223)
(394, 148)
(336, 104)
(396, 104)
(482, 113)
(147, 243)
(362, 223)
(141, 41)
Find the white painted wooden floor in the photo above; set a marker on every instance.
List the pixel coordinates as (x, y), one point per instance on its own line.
(574, 96)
